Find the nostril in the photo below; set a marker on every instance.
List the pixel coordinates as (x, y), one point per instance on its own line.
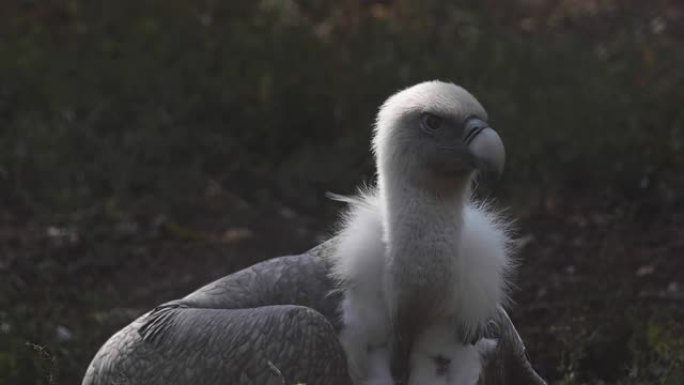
(472, 133)
(473, 127)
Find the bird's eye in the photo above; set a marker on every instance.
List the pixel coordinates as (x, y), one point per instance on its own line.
(430, 122)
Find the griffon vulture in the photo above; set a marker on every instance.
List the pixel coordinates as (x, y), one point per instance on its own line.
(411, 290)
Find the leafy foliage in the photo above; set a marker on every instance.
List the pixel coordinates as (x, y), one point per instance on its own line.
(146, 99)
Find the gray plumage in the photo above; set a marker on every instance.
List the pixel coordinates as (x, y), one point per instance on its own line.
(272, 323)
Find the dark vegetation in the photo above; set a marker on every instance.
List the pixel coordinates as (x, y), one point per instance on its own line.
(147, 147)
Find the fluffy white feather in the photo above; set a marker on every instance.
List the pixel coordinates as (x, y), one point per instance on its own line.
(436, 344)
(483, 264)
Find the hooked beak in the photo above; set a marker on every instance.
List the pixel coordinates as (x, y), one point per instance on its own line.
(485, 144)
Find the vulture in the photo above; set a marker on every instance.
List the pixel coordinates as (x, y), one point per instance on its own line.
(411, 289)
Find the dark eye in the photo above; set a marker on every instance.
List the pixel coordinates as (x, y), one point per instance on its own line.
(430, 122)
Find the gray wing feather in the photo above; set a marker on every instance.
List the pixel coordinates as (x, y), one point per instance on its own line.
(266, 324)
(292, 280)
(508, 363)
(266, 345)
(273, 323)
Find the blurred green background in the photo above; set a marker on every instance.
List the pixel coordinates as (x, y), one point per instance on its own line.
(149, 146)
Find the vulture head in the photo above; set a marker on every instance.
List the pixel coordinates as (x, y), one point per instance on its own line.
(435, 135)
